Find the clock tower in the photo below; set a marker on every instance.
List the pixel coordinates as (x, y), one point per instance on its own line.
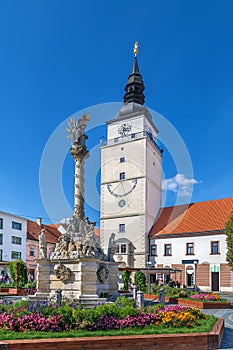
(131, 177)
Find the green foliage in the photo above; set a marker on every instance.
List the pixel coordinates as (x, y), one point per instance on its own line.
(123, 301)
(140, 280)
(229, 240)
(12, 267)
(126, 278)
(170, 291)
(94, 314)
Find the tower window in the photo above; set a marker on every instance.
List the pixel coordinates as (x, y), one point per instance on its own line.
(123, 248)
(121, 227)
(122, 176)
(153, 250)
(1, 223)
(122, 159)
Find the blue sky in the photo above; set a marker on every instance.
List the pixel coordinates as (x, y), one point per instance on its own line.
(60, 57)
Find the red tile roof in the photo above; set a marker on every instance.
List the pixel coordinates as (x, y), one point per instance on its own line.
(34, 230)
(195, 217)
(97, 232)
(51, 231)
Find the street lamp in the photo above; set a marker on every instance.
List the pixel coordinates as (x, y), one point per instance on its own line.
(149, 263)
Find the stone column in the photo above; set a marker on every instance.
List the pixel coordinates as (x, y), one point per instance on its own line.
(79, 153)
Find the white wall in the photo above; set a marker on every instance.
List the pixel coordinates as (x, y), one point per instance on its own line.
(7, 231)
(201, 249)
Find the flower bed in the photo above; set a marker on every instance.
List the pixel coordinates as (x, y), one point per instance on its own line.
(121, 320)
(205, 301)
(198, 341)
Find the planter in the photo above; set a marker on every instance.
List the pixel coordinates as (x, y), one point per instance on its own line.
(171, 300)
(204, 304)
(182, 341)
(151, 297)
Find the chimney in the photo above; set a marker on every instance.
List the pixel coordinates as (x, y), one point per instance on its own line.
(39, 221)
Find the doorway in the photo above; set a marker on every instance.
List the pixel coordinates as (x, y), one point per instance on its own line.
(215, 281)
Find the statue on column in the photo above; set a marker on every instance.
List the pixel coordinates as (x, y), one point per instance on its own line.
(42, 245)
(77, 130)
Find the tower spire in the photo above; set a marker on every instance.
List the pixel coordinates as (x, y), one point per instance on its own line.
(135, 86)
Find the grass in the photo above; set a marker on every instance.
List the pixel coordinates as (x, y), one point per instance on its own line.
(222, 300)
(204, 326)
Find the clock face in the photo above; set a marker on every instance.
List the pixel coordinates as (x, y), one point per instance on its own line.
(122, 189)
(124, 129)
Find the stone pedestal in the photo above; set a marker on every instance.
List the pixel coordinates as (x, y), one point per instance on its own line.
(44, 272)
(110, 285)
(83, 280)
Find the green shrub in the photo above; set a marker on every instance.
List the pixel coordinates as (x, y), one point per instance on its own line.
(123, 301)
(140, 280)
(23, 278)
(126, 278)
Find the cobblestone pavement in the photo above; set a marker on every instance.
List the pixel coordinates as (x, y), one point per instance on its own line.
(227, 314)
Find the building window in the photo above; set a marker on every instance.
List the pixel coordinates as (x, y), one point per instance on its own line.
(167, 249)
(0, 254)
(122, 176)
(1, 238)
(16, 240)
(16, 225)
(117, 249)
(121, 227)
(32, 252)
(153, 250)
(215, 247)
(15, 255)
(122, 159)
(133, 136)
(116, 139)
(123, 248)
(1, 223)
(189, 248)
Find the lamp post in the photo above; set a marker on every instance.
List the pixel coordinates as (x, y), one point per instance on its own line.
(149, 266)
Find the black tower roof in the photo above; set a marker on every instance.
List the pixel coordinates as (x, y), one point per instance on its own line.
(134, 87)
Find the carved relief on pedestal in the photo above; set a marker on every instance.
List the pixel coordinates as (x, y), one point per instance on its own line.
(63, 273)
(103, 272)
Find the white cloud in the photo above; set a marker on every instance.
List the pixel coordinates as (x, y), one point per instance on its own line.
(179, 183)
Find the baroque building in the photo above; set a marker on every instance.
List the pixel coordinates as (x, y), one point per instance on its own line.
(131, 176)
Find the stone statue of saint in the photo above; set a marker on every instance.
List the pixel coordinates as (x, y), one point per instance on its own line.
(77, 129)
(42, 245)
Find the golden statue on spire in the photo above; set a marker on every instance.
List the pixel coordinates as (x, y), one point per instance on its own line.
(135, 50)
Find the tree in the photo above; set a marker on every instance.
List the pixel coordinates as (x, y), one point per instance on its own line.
(23, 272)
(140, 280)
(126, 278)
(229, 240)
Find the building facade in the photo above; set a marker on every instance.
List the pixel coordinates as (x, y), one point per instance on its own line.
(13, 233)
(130, 177)
(192, 239)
